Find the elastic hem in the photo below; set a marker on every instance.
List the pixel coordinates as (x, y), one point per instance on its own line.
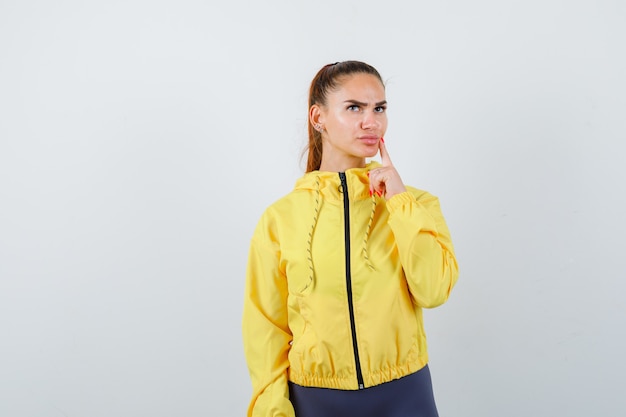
(350, 383)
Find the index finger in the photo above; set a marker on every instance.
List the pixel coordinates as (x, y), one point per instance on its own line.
(384, 155)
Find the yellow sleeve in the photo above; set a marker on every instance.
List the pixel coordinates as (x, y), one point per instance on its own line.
(266, 334)
(424, 246)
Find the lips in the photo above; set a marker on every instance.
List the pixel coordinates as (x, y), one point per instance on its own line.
(369, 139)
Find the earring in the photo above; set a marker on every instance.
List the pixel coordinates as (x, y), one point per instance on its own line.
(318, 127)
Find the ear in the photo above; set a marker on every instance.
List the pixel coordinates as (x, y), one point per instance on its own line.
(316, 115)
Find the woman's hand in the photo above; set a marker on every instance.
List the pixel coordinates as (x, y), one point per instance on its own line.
(385, 181)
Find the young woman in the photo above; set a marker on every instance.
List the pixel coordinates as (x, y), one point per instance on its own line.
(340, 269)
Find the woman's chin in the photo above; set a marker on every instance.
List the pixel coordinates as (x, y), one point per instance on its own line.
(370, 153)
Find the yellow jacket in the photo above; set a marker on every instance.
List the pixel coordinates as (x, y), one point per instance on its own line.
(338, 304)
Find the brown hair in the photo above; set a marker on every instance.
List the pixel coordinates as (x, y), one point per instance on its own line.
(328, 79)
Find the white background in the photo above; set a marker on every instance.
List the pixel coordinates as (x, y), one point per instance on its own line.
(141, 140)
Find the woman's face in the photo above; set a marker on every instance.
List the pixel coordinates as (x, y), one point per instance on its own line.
(354, 119)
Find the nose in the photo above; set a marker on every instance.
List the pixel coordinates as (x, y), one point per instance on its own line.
(370, 121)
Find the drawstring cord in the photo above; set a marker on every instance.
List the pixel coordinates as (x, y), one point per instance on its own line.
(316, 212)
(309, 249)
(368, 231)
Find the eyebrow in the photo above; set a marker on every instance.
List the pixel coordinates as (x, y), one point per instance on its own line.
(360, 103)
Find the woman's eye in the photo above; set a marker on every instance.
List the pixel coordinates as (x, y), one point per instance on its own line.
(353, 107)
(380, 109)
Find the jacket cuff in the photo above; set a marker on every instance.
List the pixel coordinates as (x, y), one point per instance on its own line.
(406, 204)
(398, 200)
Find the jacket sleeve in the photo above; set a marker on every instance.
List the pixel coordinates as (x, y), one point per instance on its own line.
(266, 335)
(424, 245)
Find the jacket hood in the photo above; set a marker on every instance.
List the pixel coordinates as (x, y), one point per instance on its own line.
(315, 179)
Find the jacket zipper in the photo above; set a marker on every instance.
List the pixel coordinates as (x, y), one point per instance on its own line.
(346, 222)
